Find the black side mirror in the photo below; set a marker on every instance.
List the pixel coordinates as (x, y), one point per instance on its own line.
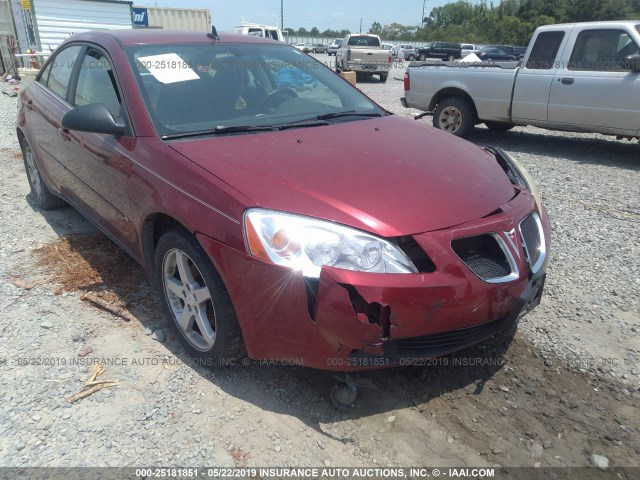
(95, 118)
(631, 62)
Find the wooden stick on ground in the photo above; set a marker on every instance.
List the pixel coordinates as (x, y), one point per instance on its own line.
(92, 385)
(109, 307)
(88, 391)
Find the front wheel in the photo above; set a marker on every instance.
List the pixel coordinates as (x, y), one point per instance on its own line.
(383, 77)
(195, 300)
(455, 115)
(411, 58)
(422, 57)
(499, 127)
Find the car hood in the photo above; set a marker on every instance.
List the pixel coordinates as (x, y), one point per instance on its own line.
(390, 175)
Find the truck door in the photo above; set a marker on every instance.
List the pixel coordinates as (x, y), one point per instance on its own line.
(534, 79)
(593, 90)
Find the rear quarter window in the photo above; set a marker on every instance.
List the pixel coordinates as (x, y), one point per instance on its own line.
(544, 51)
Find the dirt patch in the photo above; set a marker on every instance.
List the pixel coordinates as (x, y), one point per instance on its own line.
(90, 262)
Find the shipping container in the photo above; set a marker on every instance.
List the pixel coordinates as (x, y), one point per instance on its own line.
(172, 18)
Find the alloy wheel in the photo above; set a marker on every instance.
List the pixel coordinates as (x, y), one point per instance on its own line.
(189, 299)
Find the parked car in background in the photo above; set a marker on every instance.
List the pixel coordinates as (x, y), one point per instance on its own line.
(496, 54)
(408, 51)
(308, 264)
(365, 55)
(318, 48)
(582, 77)
(308, 48)
(333, 47)
(300, 46)
(258, 30)
(468, 49)
(390, 47)
(443, 50)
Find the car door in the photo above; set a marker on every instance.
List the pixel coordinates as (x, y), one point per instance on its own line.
(593, 90)
(534, 79)
(45, 107)
(100, 164)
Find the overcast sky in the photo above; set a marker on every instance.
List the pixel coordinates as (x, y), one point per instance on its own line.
(323, 14)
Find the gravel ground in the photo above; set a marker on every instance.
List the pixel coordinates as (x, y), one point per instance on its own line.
(564, 389)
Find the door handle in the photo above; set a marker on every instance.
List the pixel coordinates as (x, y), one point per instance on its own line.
(65, 134)
(567, 81)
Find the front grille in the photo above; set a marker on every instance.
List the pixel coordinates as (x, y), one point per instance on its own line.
(484, 256)
(531, 231)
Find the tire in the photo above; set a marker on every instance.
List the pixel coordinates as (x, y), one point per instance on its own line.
(195, 301)
(499, 127)
(422, 57)
(383, 77)
(411, 58)
(451, 58)
(42, 196)
(314, 51)
(455, 115)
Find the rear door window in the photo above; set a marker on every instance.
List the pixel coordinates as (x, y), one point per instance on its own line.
(61, 69)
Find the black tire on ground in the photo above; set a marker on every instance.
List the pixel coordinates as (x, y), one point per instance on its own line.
(455, 115)
(42, 196)
(195, 300)
(499, 127)
(411, 58)
(422, 57)
(383, 77)
(451, 58)
(314, 51)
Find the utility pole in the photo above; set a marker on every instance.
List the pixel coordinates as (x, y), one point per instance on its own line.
(282, 15)
(424, 3)
(361, 25)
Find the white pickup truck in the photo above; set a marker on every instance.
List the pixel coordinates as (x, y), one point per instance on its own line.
(582, 77)
(364, 54)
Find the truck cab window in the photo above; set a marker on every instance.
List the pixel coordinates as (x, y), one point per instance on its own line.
(544, 51)
(602, 50)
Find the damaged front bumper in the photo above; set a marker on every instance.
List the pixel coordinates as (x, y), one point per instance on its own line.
(347, 320)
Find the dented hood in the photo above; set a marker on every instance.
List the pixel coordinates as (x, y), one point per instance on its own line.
(391, 176)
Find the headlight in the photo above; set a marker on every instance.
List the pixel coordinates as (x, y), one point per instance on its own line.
(306, 244)
(517, 173)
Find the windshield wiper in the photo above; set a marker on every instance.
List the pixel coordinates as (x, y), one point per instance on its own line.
(224, 129)
(219, 130)
(348, 113)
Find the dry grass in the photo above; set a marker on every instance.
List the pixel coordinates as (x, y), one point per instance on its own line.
(92, 263)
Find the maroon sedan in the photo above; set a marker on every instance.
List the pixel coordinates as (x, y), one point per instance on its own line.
(272, 208)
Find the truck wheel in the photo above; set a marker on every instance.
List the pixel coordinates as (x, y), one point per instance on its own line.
(455, 115)
(499, 127)
(422, 57)
(383, 77)
(451, 58)
(411, 58)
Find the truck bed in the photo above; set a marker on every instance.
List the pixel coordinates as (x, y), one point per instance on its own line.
(490, 84)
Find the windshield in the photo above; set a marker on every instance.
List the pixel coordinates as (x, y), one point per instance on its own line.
(201, 87)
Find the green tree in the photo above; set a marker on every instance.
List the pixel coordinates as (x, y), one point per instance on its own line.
(376, 28)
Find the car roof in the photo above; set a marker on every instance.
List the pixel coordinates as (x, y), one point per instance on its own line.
(161, 36)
